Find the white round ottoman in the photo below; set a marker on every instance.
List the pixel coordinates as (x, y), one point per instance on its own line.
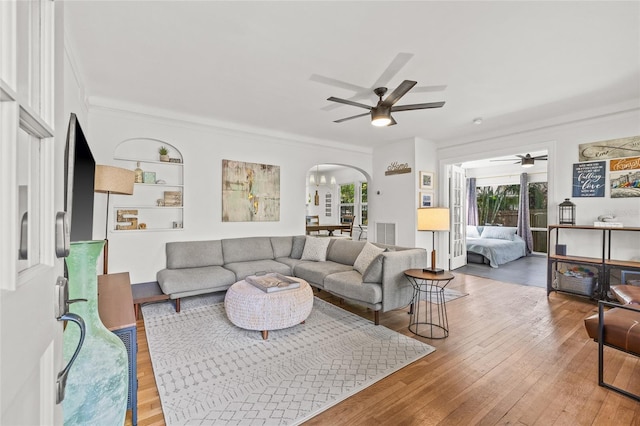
(250, 308)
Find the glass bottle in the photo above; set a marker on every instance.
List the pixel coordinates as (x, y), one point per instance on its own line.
(138, 172)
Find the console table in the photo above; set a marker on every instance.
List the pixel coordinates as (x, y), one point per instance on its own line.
(603, 264)
(115, 305)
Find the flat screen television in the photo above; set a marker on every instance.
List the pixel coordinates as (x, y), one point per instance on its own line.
(79, 175)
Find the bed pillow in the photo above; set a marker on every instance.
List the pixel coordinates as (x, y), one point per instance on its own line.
(366, 257)
(472, 232)
(498, 233)
(315, 249)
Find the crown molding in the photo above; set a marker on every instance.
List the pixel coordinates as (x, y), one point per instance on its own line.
(188, 120)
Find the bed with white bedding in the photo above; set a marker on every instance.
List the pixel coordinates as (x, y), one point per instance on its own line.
(495, 245)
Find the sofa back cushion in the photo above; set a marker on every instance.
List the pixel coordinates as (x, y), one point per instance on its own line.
(298, 246)
(281, 246)
(344, 251)
(246, 249)
(194, 254)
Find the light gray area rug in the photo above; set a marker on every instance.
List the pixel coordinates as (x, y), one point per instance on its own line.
(210, 372)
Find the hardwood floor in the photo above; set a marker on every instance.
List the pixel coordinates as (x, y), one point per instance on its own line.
(513, 356)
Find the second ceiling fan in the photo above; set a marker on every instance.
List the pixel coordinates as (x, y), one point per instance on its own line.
(525, 160)
(381, 113)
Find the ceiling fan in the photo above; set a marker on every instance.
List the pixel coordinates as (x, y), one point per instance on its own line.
(526, 160)
(360, 92)
(381, 113)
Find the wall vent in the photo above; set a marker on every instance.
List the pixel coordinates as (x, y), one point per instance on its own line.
(386, 233)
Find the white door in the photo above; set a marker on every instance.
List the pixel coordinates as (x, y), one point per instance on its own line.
(458, 212)
(30, 335)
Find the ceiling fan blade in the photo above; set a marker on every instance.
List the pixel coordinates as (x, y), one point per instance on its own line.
(400, 91)
(348, 102)
(394, 67)
(417, 106)
(337, 83)
(425, 89)
(351, 118)
(541, 157)
(523, 156)
(393, 121)
(507, 159)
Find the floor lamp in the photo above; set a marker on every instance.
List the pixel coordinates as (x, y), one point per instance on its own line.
(112, 180)
(433, 219)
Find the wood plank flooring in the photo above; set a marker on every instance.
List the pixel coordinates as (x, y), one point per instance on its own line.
(513, 356)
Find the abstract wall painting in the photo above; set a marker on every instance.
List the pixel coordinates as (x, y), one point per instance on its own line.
(250, 192)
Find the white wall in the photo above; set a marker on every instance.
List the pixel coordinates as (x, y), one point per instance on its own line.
(562, 143)
(427, 161)
(393, 198)
(203, 148)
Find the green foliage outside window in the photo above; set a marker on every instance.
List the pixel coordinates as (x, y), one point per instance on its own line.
(347, 194)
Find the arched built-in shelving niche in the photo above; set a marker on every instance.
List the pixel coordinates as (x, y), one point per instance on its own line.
(158, 198)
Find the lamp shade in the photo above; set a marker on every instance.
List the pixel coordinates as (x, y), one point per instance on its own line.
(114, 180)
(433, 219)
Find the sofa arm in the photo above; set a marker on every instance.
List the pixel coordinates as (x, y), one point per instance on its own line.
(397, 291)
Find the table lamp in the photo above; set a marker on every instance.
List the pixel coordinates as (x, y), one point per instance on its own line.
(433, 219)
(112, 180)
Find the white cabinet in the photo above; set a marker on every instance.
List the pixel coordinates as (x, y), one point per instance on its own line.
(157, 202)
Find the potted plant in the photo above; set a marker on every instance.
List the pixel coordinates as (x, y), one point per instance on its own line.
(164, 153)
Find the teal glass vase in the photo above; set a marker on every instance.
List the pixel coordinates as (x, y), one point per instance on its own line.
(97, 385)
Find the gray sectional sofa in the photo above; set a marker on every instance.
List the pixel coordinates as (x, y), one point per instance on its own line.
(198, 267)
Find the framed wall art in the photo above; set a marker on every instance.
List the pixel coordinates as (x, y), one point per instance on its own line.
(426, 180)
(426, 199)
(250, 192)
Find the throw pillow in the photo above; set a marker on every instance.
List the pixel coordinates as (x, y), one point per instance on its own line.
(498, 233)
(366, 256)
(373, 273)
(315, 249)
(472, 232)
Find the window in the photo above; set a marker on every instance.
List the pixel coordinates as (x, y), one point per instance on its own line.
(498, 205)
(353, 202)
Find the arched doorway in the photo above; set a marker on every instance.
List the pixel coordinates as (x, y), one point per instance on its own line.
(338, 194)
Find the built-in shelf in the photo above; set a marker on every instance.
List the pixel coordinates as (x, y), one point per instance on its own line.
(148, 197)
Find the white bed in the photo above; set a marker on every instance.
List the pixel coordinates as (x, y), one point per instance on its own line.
(494, 245)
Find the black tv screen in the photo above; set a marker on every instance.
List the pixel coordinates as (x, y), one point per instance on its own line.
(79, 180)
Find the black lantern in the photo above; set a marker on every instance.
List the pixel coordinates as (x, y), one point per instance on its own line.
(567, 213)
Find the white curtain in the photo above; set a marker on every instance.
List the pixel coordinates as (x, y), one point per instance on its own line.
(472, 202)
(524, 228)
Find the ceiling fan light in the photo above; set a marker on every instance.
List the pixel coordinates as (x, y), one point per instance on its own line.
(380, 117)
(527, 162)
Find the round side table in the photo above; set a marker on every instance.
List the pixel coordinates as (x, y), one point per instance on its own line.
(429, 287)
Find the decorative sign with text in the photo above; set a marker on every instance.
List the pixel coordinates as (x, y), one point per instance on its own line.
(613, 148)
(589, 179)
(624, 177)
(396, 168)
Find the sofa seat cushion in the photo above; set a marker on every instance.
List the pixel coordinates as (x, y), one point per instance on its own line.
(621, 328)
(244, 269)
(626, 294)
(350, 286)
(315, 272)
(216, 278)
(292, 263)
